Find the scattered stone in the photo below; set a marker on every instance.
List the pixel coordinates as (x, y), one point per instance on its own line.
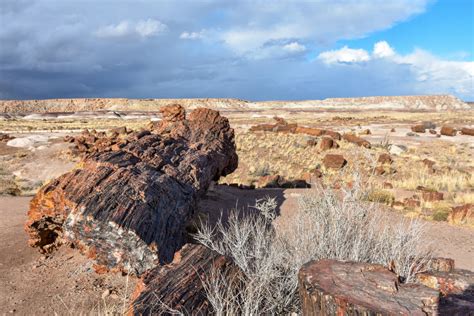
(312, 177)
(5, 137)
(128, 209)
(385, 159)
(356, 140)
(327, 143)
(467, 131)
(447, 131)
(431, 196)
(334, 161)
(432, 131)
(330, 287)
(365, 132)
(462, 214)
(412, 202)
(418, 129)
(410, 134)
(392, 130)
(397, 149)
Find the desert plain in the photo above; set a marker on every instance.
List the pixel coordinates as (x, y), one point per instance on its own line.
(414, 156)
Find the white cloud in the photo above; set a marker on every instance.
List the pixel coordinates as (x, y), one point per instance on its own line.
(344, 55)
(257, 24)
(141, 28)
(192, 35)
(431, 74)
(382, 49)
(294, 47)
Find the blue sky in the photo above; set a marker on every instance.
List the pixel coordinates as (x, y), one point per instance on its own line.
(446, 29)
(246, 49)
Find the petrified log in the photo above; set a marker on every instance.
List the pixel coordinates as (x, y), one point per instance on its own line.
(127, 208)
(356, 140)
(329, 287)
(447, 131)
(467, 131)
(179, 286)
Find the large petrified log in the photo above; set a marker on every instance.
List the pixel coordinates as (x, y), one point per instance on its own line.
(329, 287)
(180, 285)
(128, 205)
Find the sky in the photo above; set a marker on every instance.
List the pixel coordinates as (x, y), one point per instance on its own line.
(254, 50)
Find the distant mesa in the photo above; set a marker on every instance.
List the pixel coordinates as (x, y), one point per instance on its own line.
(420, 103)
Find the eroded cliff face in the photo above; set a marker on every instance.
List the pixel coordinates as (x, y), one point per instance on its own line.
(128, 204)
(432, 103)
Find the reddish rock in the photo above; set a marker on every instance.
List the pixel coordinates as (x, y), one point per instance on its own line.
(317, 132)
(329, 287)
(365, 132)
(432, 131)
(128, 209)
(356, 140)
(179, 286)
(392, 130)
(287, 128)
(312, 177)
(334, 161)
(418, 128)
(447, 131)
(463, 214)
(327, 143)
(262, 127)
(411, 202)
(431, 196)
(428, 163)
(270, 181)
(467, 131)
(385, 159)
(173, 113)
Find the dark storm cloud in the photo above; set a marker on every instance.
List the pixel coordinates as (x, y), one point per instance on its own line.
(142, 49)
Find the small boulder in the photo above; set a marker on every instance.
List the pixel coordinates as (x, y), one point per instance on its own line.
(333, 161)
(432, 131)
(327, 143)
(397, 149)
(467, 131)
(385, 159)
(448, 131)
(418, 128)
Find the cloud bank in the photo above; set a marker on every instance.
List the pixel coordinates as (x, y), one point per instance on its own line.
(245, 49)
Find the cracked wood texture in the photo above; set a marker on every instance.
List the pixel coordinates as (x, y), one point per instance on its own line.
(178, 288)
(330, 287)
(127, 205)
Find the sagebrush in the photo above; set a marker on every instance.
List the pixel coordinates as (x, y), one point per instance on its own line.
(328, 224)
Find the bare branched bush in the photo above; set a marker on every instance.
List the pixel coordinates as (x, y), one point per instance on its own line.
(331, 224)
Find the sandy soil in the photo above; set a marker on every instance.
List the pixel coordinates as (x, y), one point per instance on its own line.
(66, 283)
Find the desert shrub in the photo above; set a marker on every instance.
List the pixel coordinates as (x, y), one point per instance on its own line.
(380, 196)
(262, 170)
(441, 215)
(329, 224)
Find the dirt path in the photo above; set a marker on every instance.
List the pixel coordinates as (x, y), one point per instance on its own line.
(62, 284)
(65, 283)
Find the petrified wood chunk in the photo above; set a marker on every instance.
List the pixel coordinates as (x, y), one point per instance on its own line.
(179, 286)
(356, 140)
(330, 287)
(128, 207)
